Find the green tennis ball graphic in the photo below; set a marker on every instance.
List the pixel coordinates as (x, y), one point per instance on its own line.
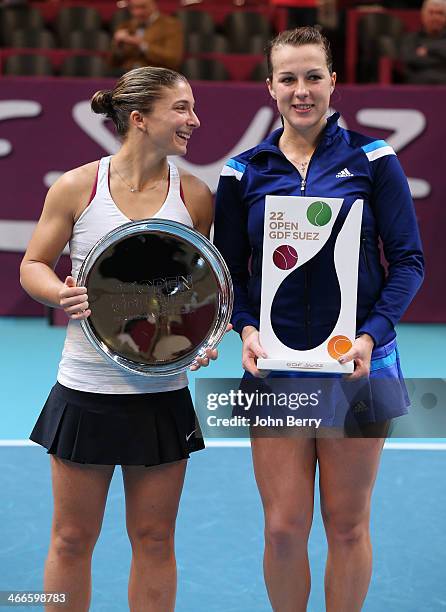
(319, 214)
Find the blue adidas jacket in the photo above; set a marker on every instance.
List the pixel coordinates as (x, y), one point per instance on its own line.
(345, 165)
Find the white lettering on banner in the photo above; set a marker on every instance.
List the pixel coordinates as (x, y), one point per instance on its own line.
(407, 125)
(210, 173)
(94, 126)
(15, 235)
(276, 125)
(51, 177)
(16, 109)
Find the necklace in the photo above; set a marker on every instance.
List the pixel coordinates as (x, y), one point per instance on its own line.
(132, 189)
(301, 165)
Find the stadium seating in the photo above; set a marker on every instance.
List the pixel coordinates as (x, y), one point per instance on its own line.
(409, 18)
(196, 22)
(202, 69)
(28, 65)
(32, 38)
(206, 43)
(260, 72)
(240, 28)
(84, 66)
(372, 28)
(75, 18)
(95, 40)
(18, 18)
(223, 42)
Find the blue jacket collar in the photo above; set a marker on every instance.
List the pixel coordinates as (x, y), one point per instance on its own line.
(271, 143)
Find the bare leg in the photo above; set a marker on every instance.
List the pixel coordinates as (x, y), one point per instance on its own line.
(152, 498)
(348, 469)
(285, 470)
(80, 493)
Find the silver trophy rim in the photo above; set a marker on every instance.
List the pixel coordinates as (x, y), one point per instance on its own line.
(210, 254)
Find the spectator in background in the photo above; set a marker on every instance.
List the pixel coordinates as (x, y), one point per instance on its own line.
(423, 53)
(149, 38)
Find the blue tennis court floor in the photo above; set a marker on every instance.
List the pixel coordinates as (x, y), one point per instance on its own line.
(220, 532)
(220, 525)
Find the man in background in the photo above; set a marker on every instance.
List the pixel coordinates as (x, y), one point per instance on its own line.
(423, 53)
(149, 38)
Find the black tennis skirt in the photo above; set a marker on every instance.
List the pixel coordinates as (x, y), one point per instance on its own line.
(120, 429)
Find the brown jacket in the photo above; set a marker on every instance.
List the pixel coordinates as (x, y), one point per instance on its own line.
(164, 40)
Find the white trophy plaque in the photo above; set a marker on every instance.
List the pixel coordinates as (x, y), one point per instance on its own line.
(295, 231)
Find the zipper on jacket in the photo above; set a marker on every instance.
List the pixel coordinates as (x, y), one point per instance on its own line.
(303, 179)
(364, 251)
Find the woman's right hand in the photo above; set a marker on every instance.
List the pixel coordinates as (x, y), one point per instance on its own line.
(251, 350)
(74, 300)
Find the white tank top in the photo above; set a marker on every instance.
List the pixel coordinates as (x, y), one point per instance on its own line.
(82, 367)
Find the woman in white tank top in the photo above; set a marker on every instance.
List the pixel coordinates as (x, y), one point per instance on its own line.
(97, 415)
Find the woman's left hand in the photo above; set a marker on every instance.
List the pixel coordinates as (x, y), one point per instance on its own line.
(361, 353)
(211, 355)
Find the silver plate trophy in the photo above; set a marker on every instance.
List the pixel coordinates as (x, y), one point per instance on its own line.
(160, 294)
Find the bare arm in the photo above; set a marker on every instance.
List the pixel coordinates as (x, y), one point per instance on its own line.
(201, 208)
(199, 203)
(53, 231)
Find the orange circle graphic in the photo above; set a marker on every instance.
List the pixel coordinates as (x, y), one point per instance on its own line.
(338, 346)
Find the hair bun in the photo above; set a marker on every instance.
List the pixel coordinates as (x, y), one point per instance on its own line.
(102, 102)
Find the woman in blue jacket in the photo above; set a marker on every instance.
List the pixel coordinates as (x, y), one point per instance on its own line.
(313, 156)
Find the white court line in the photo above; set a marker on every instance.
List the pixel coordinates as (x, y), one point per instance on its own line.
(415, 446)
(17, 443)
(387, 446)
(243, 443)
(240, 443)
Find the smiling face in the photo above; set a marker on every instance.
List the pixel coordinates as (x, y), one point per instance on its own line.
(170, 123)
(302, 85)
